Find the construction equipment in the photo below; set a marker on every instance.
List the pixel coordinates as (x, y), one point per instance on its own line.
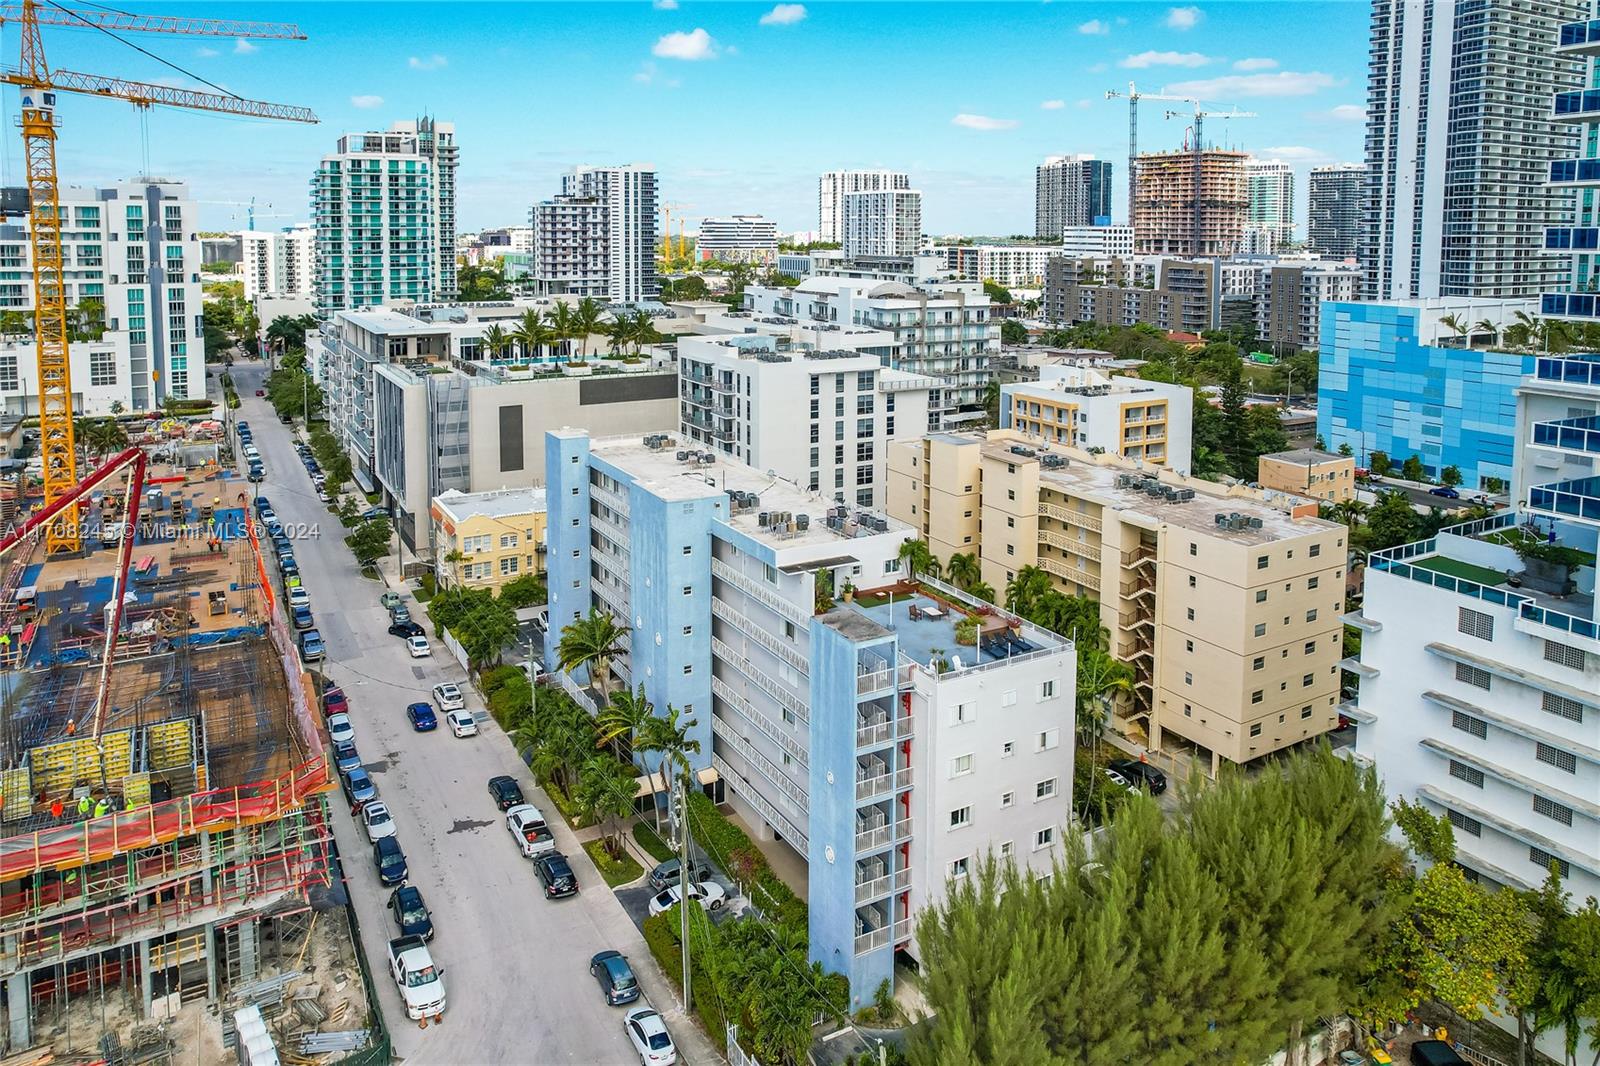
(1198, 148)
(667, 250)
(250, 210)
(39, 86)
(1133, 96)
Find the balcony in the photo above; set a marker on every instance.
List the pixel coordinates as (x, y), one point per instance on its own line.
(764, 594)
(777, 646)
(875, 786)
(1086, 549)
(767, 768)
(1575, 173)
(1579, 498)
(1581, 370)
(1579, 38)
(874, 675)
(1070, 573)
(1570, 434)
(773, 687)
(874, 734)
(769, 729)
(886, 885)
(1070, 517)
(1579, 105)
(776, 818)
(609, 498)
(1571, 238)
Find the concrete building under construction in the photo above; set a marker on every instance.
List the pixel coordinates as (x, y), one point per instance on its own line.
(1191, 203)
(159, 848)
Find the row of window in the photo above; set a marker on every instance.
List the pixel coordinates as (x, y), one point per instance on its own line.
(961, 817)
(1044, 740)
(1042, 839)
(1550, 702)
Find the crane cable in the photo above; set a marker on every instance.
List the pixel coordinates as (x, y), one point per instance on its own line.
(142, 50)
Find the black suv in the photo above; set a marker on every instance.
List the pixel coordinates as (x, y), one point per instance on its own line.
(506, 792)
(1140, 775)
(559, 880)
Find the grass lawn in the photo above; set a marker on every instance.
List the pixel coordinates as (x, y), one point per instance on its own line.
(1456, 568)
(644, 834)
(616, 871)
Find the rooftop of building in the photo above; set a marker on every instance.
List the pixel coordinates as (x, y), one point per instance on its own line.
(1311, 456)
(459, 506)
(1076, 379)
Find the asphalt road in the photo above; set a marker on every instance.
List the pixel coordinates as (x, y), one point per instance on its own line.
(516, 965)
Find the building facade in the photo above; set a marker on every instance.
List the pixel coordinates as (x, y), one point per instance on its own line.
(1012, 266)
(1271, 201)
(1322, 476)
(598, 236)
(1191, 203)
(738, 239)
(1335, 198)
(280, 264)
(1173, 294)
(1290, 296)
(834, 184)
(1097, 241)
(881, 222)
(1145, 421)
(484, 539)
(1070, 191)
(1460, 135)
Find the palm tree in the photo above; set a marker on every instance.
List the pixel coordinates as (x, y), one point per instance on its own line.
(1100, 679)
(593, 642)
(918, 558)
(1025, 589)
(497, 340)
(1455, 324)
(107, 436)
(587, 319)
(532, 335)
(664, 734)
(620, 332)
(1483, 325)
(563, 326)
(991, 400)
(606, 793)
(1350, 512)
(1522, 332)
(962, 569)
(981, 590)
(621, 722)
(642, 331)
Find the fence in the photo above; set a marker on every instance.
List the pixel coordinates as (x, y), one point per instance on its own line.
(381, 1051)
(737, 1056)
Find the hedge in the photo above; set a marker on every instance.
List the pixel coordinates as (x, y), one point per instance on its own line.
(496, 677)
(661, 934)
(730, 846)
(616, 871)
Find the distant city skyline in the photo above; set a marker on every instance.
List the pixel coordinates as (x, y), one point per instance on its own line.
(707, 93)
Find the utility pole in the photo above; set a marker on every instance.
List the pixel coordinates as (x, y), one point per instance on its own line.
(683, 884)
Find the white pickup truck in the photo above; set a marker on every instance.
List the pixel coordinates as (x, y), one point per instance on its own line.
(528, 829)
(421, 983)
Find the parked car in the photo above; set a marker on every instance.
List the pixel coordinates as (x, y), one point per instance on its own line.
(422, 717)
(302, 617)
(420, 981)
(1140, 775)
(345, 757)
(708, 894)
(1446, 491)
(506, 792)
(334, 701)
(358, 786)
(399, 613)
(377, 821)
(261, 392)
(322, 494)
(311, 646)
(406, 630)
(448, 697)
(556, 873)
(256, 474)
(390, 861)
(375, 512)
(529, 829)
(647, 1030)
(262, 505)
(418, 645)
(340, 729)
(1118, 778)
(299, 597)
(1435, 1053)
(390, 600)
(617, 982)
(410, 913)
(667, 873)
(461, 722)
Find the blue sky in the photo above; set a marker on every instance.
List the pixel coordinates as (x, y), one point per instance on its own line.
(738, 105)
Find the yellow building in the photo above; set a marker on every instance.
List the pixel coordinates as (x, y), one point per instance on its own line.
(1225, 600)
(1323, 476)
(484, 539)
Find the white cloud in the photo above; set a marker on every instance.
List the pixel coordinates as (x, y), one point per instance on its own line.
(1052, 105)
(1165, 59)
(1346, 113)
(1094, 26)
(784, 15)
(243, 47)
(1084, 105)
(1283, 83)
(433, 62)
(1184, 18)
(207, 53)
(984, 122)
(665, 5)
(366, 103)
(1295, 153)
(1255, 64)
(648, 74)
(694, 45)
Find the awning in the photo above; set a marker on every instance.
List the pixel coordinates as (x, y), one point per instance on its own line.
(818, 564)
(650, 784)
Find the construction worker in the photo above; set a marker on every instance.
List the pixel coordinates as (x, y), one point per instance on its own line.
(72, 726)
(83, 805)
(57, 808)
(102, 807)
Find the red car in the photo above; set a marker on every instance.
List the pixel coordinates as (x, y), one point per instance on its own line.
(334, 702)
(261, 392)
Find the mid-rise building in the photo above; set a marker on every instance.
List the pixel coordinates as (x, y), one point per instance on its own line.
(484, 539)
(131, 260)
(1146, 421)
(889, 750)
(1070, 191)
(1335, 198)
(882, 222)
(1224, 600)
(1271, 201)
(1460, 135)
(834, 184)
(1290, 296)
(1174, 294)
(1191, 203)
(1322, 476)
(738, 239)
(280, 264)
(598, 236)
(1107, 242)
(1011, 266)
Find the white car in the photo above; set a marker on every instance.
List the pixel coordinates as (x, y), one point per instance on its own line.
(708, 894)
(527, 827)
(419, 647)
(447, 697)
(462, 724)
(378, 821)
(340, 731)
(299, 597)
(648, 1031)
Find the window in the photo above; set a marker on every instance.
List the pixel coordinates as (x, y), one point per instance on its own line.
(1007, 799)
(1316, 550)
(508, 540)
(1305, 712)
(1312, 582)
(102, 368)
(1311, 615)
(1553, 810)
(688, 630)
(1564, 707)
(1261, 562)
(1008, 749)
(1261, 629)
(1475, 623)
(1305, 682)
(1010, 550)
(1255, 730)
(1047, 739)
(1261, 595)
(1564, 654)
(1468, 724)
(1194, 549)
(1471, 675)
(1462, 772)
(1544, 860)
(1191, 581)
(1190, 611)
(1188, 645)
(964, 713)
(961, 765)
(1557, 757)
(1005, 847)
(960, 866)
(1047, 690)
(508, 565)
(1464, 823)
(1188, 678)
(960, 817)
(1311, 647)
(1044, 789)
(1259, 662)
(1044, 838)
(688, 549)
(1256, 696)
(688, 669)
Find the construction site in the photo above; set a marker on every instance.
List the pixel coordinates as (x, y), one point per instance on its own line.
(163, 832)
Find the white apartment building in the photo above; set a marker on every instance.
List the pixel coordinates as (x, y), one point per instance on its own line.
(100, 377)
(882, 222)
(1271, 202)
(1334, 208)
(598, 236)
(938, 329)
(134, 248)
(834, 184)
(280, 263)
(1089, 409)
(1013, 266)
(738, 239)
(816, 407)
(436, 142)
(1070, 191)
(1105, 242)
(890, 756)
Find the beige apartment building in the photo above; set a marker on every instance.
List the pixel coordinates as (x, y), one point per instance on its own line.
(1323, 476)
(485, 539)
(1224, 600)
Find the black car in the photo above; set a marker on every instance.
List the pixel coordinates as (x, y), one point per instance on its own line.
(1140, 774)
(559, 880)
(616, 978)
(506, 792)
(668, 874)
(406, 630)
(410, 913)
(389, 861)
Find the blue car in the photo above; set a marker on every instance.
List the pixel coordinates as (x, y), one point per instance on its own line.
(302, 618)
(422, 717)
(280, 543)
(311, 646)
(358, 786)
(345, 758)
(390, 861)
(262, 505)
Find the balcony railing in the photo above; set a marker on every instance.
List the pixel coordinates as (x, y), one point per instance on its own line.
(776, 818)
(870, 736)
(776, 645)
(767, 768)
(765, 595)
(768, 727)
(1071, 573)
(875, 785)
(1570, 434)
(1575, 173)
(880, 836)
(883, 886)
(609, 498)
(1578, 498)
(1067, 544)
(1070, 517)
(773, 687)
(1579, 38)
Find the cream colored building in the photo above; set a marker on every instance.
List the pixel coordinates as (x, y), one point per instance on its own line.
(1224, 600)
(1323, 476)
(484, 539)
(1090, 409)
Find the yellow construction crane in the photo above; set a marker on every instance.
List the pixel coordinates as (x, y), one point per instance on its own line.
(39, 85)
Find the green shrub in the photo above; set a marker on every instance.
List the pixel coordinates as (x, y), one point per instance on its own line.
(661, 935)
(495, 678)
(737, 853)
(645, 836)
(619, 870)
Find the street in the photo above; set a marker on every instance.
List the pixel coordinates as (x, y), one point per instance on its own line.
(516, 965)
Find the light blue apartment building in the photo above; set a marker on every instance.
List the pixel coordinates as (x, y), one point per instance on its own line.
(1387, 384)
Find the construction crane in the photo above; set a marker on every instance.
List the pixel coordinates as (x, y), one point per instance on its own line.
(250, 209)
(1197, 150)
(667, 251)
(39, 86)
(1133, 96)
